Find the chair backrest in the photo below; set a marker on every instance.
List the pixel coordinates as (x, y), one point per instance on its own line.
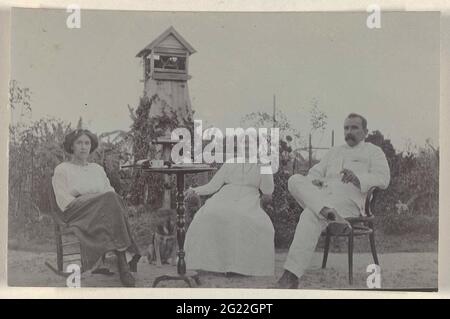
(370, 199)
(55, 211)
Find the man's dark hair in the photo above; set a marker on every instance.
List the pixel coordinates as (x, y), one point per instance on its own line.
(363, 119)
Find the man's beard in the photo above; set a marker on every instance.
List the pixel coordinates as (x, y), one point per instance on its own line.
(350, 138)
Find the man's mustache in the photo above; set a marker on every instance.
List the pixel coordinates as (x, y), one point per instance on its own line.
(350, 137)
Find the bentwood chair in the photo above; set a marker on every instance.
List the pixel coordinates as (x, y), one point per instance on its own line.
(68, 248)
(361, 226)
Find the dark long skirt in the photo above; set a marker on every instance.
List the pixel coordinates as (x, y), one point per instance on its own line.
(100, 224)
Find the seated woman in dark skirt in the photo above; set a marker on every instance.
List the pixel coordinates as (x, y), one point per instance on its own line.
(91, 208)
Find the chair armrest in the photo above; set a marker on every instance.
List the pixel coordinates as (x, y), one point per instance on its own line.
(361, 219)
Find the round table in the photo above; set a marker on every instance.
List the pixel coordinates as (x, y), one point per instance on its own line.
(181, 231)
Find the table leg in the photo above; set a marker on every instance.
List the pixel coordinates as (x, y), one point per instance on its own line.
(181, 231)
(181, 234)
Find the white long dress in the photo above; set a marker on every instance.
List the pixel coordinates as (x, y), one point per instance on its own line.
(231, 232)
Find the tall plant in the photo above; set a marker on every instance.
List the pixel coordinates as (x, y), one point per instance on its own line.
(148, 188)
(34, 152)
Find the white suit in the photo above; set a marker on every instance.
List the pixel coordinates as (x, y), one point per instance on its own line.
(369, 164)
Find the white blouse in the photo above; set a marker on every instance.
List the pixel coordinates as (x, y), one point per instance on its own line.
(70, 181)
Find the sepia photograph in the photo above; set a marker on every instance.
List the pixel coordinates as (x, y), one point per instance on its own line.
(264, 150)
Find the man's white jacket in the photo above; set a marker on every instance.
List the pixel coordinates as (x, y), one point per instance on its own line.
(366, 160)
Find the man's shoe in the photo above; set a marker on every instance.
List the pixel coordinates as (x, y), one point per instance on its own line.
(102, 271)
(134, 262)
(287, 281)
(340, 228)
(126, 278)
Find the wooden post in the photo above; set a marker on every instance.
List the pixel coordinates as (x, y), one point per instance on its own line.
(274, 110)
(144, 58)
(181, 231)
(150, 71)
(146, 193)
(167, 197)
(32, 178)
(310, 151)
(332, 138)
(187, 62)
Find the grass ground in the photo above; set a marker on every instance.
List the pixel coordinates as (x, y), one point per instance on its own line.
(399, 271)
(408, 261)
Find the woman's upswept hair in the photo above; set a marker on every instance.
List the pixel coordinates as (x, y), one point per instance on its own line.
(74, 135)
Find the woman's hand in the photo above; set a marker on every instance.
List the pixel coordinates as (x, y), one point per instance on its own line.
(266, 201)
(190, 192)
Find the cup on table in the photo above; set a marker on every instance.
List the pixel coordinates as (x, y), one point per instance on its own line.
(157, 163)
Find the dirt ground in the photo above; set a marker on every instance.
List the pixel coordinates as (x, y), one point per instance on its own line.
(399, 271)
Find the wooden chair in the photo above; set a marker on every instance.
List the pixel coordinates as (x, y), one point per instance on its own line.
(68, 248)
(361, 226)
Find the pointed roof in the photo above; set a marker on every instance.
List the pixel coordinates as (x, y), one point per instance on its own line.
(162, 37)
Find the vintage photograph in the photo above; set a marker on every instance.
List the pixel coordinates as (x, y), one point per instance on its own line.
(281, 150)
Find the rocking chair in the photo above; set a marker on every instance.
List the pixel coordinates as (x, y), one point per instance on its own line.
(68, 248)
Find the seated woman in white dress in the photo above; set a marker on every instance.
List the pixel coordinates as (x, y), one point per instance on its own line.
(231, 232)
(91, 208)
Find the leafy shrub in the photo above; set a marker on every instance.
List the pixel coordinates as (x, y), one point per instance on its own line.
(285, 211)
(148, 188)
(410, 203)
(34, 152)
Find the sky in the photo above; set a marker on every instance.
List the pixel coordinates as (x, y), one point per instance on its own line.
(390, 75)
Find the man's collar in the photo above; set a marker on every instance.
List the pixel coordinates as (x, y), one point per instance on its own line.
(359, 145)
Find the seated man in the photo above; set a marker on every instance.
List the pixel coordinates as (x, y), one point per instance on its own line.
(334, 189)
